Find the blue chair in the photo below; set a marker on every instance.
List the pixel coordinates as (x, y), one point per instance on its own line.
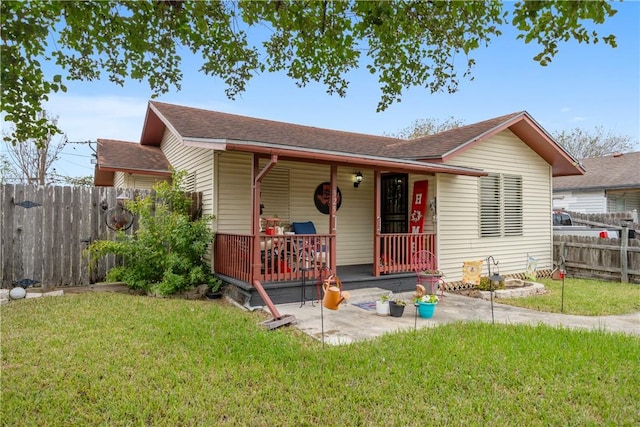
(312, 253)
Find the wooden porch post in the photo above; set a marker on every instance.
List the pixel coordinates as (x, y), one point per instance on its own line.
(377, 222)
(255, 219)
(333, 208)
(257, 176)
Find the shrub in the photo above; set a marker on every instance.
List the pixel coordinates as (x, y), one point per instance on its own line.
(166, 254)
(485, 285)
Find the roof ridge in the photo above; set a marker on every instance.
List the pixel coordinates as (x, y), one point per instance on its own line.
(271, 121)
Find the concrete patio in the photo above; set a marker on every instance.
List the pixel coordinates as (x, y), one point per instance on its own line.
(351, 323)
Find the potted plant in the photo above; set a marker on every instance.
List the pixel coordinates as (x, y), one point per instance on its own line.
(382, 305)
(430, 273)
(396, 307)
(425, 303)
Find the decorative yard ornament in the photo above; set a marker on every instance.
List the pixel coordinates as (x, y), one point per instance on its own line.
(17, 293)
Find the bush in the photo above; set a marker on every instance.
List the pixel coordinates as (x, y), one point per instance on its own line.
(485, 285)
(166, 254)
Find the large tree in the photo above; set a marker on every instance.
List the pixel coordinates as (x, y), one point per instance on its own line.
(424, 127)
(32, 161)
(404, 43)
(585, 143)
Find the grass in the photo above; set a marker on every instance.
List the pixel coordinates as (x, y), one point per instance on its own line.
(112, 359)
(584, 297)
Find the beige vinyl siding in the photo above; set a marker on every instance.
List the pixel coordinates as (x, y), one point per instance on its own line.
(197, 161)
(354, 218)
(623, 200)
(589, 201)
(274, 194)
(233, 187)
(145, 181)
(129, 180)
(458, 223)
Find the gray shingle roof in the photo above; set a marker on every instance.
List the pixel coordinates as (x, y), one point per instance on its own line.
(443, 143)
(204, 124)
(607, 172)
(204, 128)
(130, 156)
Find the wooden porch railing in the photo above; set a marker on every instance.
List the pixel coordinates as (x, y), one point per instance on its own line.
(282, 257)
(396, 250)
(289, 257)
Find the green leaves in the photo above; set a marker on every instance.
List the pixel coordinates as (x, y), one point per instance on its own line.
(166, 254)
(404, 43)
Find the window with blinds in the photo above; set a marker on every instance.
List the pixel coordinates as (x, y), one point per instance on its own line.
(512, 205)
(189, 183)
(500, 205)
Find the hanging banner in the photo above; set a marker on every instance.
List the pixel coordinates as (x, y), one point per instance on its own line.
(418, 206)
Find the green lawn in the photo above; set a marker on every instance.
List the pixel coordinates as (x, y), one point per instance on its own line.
(583, 296)
(113, 359)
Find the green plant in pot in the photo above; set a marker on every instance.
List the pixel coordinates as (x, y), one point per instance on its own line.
(425, 303)
(382, 305)
(396, 307)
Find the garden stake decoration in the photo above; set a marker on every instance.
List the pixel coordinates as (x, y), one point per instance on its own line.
(562, 274)
(496, 277)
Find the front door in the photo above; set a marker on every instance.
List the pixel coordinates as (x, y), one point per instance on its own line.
(394, 207)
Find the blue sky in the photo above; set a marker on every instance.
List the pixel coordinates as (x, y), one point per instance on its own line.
(585, 86)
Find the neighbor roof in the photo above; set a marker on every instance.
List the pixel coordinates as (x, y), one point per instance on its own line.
(124, 156)
(616, 171)
(211, 129)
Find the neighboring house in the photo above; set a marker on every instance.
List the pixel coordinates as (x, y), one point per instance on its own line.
(483, 189)
(610, 184)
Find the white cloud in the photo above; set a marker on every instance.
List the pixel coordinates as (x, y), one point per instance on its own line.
(84, 118)
(565, 109)
(577, 119)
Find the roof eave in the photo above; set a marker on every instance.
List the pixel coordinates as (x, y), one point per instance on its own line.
(138, 171)
(600, 187)
(374, 162)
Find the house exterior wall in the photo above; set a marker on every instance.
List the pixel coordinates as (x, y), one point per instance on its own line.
(354, 218)
(458, 209)
(623, 200)
(129, 180)
(591, 201)
(197, 161)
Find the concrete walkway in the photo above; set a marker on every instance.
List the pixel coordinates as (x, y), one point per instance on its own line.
(351, 323)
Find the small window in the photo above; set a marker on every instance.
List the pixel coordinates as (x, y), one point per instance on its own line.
(490, 206)
(189, 183)
(500, 205)
(512, 190)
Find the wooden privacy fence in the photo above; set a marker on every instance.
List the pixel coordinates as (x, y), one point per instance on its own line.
(44, 229)
(595, 258)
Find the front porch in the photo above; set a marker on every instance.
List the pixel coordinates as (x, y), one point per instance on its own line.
(286, 262)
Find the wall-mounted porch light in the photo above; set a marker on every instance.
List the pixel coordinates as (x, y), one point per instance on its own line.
(356, 184)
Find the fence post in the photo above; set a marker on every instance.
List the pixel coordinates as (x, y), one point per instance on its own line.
(624, 243)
